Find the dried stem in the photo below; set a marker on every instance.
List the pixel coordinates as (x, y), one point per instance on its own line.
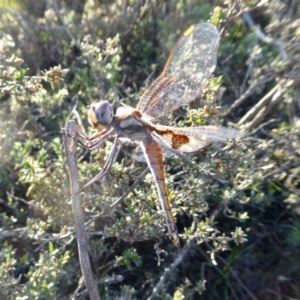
(266, 39)
(267, 103)
(248, 93)
(168, 271)
(82, 241)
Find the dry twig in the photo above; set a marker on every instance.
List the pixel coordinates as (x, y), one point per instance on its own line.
(169, 271)
(249, 92)
(266, 39)
(82, 241)
(266, 104)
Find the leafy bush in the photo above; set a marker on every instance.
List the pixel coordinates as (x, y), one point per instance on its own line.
(56, 59)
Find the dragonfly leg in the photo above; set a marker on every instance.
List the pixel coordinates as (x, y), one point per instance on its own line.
(89, 142)
(108, 164)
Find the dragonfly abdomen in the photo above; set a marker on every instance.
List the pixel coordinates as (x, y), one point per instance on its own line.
(154, 157)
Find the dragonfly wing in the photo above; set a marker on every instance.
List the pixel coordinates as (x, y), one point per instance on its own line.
(189, 65)
(140, 156)
(192, 139)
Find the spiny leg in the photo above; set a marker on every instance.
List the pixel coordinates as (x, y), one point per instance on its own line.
(89, 142)
(108, 163)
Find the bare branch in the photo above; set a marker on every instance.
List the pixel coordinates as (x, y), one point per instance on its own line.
(263, 107)
(66, 28)
(266, 39)
(169, 271)
(82, 241)
(248, 9)
(238, 102)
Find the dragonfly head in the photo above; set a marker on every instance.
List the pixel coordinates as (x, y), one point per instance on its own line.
(100, 114)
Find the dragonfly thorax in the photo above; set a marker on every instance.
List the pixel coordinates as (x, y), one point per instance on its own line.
(129, 124)
(100, 114)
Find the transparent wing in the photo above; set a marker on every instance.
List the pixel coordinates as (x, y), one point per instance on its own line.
(140, 156)
(190, 63)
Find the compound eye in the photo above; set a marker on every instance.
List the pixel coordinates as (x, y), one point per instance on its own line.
(100, 114)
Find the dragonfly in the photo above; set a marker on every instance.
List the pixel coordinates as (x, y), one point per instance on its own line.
(183, 79)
